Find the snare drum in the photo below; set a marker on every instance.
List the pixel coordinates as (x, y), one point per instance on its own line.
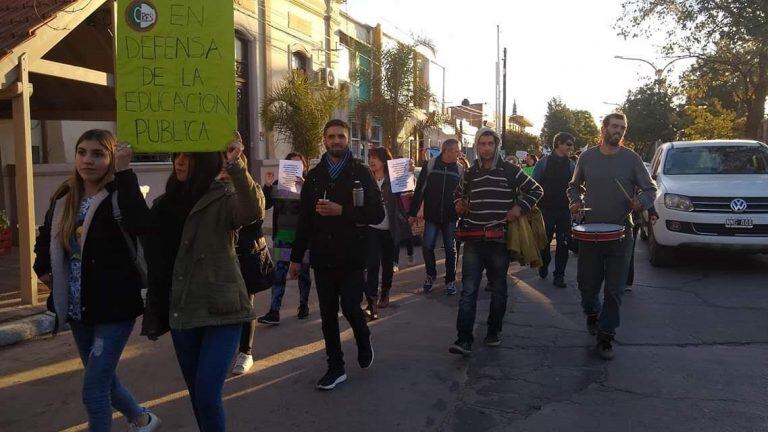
(598, 232)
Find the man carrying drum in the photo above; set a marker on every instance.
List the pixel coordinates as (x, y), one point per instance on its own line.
(599, 190)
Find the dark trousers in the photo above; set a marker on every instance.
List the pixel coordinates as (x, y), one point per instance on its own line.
(343, 286)
(494, 259)
(246, 334)
(558, 223)
(631, 274)
(205, 355)
(604, 262)
(381, 254)
(408, 249)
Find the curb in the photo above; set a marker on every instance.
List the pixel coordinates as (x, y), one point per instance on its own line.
(26, 328)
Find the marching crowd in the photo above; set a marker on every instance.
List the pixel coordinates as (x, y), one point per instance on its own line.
(206, 254)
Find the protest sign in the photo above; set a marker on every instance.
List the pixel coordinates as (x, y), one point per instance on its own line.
(175, 75)
(521, 155)
(400, 176)
(287, 172)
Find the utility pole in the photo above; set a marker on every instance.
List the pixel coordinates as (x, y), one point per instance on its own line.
(497, 109)
(504, 100)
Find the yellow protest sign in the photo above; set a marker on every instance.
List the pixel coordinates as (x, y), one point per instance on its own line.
(175, 74)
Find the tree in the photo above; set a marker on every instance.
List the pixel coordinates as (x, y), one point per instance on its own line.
(585, 130)
(398, 90)
(732, 34)
(559, 118)
(520, 140)
(651, 116)
(709, 122)
(298, 108)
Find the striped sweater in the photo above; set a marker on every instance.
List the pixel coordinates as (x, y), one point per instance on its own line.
(491, 193)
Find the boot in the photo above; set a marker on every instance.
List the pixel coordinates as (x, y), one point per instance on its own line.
(384, 298)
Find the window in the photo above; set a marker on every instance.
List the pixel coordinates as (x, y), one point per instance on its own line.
(716, 160)
(300, 61)
(375, 138)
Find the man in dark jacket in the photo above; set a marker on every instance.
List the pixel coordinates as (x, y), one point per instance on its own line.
(332, 226)
(435, 187)
(553, 173)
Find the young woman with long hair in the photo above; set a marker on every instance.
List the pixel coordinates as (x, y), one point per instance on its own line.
(196, 287)
(84, 257)
(383, 236)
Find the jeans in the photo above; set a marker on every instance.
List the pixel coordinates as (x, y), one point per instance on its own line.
(100, 347)
(408, 248)
(345, 285)
(281, 275)
(205, 355)
(604, 262)
(381, 250)
(492, 257)
(558, 223)
(428, 247)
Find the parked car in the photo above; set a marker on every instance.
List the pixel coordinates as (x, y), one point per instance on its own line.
(712, 194)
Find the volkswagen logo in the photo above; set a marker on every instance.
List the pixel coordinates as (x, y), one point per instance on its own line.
(738, 205)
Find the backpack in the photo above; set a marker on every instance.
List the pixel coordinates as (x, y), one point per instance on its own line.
(137, 250)
(431, 166)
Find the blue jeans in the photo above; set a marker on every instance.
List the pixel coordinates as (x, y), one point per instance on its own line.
(100, 347)
(281, 275)
(558, 223)
(205, 355)
(492, 257)
(449, 242)
(605, 262)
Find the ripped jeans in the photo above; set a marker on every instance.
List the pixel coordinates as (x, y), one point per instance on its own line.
(100, 347)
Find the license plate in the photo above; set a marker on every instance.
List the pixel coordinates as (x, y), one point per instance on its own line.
(739, 223)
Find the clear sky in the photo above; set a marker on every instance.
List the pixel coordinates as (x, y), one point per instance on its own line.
(559, 48)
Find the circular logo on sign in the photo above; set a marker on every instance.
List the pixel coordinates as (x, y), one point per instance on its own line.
(141, 15)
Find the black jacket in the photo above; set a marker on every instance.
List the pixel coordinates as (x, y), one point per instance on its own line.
(110, 282)
(285, 213)
(438, 194)
(398, 219)
(336, 241)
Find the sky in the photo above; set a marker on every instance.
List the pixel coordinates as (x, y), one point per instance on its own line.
(562, 48)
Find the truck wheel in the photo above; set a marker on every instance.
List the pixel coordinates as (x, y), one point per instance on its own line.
(660, 256)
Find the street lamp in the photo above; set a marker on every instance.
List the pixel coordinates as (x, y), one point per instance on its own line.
(659, 72)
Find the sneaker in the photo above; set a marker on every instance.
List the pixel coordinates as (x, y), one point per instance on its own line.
(428, 282)
(365, 354)
(395, 268)
(272, 318)
(243, 363)
(450, 288)
(605, 349)
(493, 339)
(411, 259)
(592, 325)
(559, 282)
(153, 425)
(543, 272)
(331, 379)
(303, 312)
(461, 347)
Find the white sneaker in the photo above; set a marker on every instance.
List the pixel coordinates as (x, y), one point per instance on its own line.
(395, 268)
(243, 363)
(153, 425)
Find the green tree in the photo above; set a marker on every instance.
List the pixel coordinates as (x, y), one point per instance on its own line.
(585, 129)
(709, 122)
(731, 34)
(559, 118)
(515, 140)
(651, 116)
(298, 108)
(398, 90)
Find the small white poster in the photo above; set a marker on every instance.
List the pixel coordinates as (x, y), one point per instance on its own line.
(287, 173)
(400, 175)
(521, 155)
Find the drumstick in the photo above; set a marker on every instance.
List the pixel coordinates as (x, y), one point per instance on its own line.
(618, 182)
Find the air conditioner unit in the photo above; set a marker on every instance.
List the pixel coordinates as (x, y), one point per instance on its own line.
(328, 77)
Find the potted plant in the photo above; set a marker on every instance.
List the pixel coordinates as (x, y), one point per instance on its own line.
(5, 233)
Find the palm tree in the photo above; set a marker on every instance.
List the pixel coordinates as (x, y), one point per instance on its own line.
(297, 108)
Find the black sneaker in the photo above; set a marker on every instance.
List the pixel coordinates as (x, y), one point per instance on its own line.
(493, 339)
(365, 354)
(272, 318)
(303, 312)
(543, 272)
(605, 349)
(559, 282)
(331, 379)
(461, 347)
(592, 325)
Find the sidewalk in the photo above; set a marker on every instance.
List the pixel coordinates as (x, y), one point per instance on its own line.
(20, 322)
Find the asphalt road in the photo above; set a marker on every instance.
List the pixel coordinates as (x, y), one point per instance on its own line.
(691, 355)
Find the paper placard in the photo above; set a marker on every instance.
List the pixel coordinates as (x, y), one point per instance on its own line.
(287, 172)
(400, 176)
(521, 155)
(175, 75)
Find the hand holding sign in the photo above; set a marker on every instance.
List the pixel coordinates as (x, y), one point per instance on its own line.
(235, 148)
(123, 156)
